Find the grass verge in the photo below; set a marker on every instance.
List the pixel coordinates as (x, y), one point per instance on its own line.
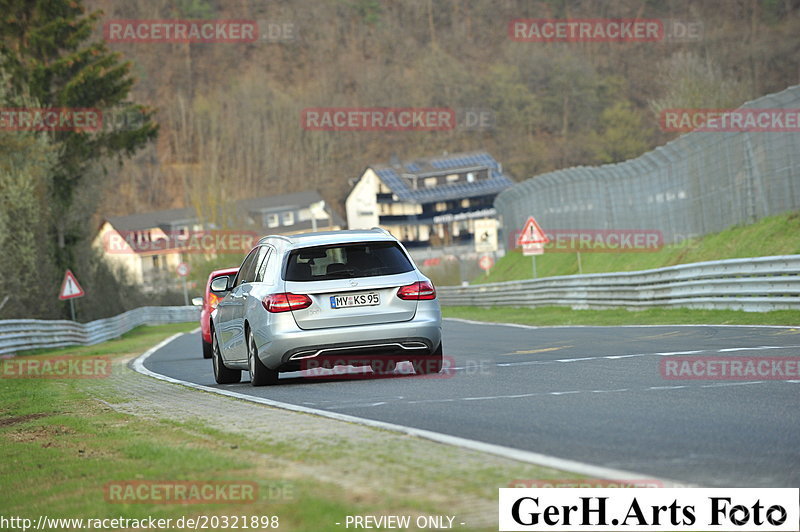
(655, 316)
(775, 235)
(68, 444)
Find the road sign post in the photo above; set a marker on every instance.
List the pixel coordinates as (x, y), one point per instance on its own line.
(183, 270)
(486, 262)
(532, 239)
(70, 289)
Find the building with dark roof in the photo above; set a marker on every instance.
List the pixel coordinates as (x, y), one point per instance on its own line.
(427, 201)
(149, 246)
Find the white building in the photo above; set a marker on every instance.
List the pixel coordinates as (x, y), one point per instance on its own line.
(430, 201)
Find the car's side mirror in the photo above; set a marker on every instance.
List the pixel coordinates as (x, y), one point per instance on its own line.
(197, 301)
(220, 284)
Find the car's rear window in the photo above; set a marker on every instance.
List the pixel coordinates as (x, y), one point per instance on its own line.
(366, 259)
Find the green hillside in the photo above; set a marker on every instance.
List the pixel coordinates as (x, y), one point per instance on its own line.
(776, 235)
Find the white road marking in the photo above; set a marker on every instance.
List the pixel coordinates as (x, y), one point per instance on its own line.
(519, 455)
(734, 383)
(520, 326)
(351, 405)
(636, 355)
(507, 452)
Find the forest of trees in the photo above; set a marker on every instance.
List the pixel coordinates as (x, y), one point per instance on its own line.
(230, 112)
(221, 121)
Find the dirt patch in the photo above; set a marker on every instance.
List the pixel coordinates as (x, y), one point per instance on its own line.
(47, 435)
(15, 420)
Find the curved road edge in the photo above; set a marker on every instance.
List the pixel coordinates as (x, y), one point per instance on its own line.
(571, 466)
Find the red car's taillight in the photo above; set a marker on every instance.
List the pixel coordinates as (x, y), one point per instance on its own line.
(286, 302)
(418, 290)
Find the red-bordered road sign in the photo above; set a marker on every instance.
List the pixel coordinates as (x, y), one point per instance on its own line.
(182, 269)
(69, 287)
(532, 234)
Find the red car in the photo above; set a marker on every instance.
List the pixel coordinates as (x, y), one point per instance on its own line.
(216, 288)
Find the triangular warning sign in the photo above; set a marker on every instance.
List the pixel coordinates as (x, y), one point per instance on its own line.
(70, 287)
(532, 234)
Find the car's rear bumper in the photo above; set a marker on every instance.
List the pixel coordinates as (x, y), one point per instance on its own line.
(289, 348)
(357, 353)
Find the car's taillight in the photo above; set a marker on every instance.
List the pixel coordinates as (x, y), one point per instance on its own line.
(418, 290)
(286, 302)
(213, 300)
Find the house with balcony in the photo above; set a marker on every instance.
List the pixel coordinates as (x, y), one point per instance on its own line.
(427, 202)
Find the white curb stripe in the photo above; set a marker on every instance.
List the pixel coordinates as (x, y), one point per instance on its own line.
(530, 457)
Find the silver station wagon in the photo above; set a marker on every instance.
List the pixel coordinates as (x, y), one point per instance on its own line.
(326, 299)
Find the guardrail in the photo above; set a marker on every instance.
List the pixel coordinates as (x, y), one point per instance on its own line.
(752, 284)
(21, 335)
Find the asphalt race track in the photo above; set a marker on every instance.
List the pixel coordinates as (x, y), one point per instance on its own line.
(589, 394)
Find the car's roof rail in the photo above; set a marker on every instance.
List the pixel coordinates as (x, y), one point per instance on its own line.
(282, 237)
(382, 230)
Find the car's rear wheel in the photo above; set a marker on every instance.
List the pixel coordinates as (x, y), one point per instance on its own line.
(208, 349)
(260, 374)
(431, 364)
(222, 374)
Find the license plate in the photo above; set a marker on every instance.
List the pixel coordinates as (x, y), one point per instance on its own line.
(356, 300)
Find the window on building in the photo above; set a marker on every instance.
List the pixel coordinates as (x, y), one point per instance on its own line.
(430, 182)
(452, 178)
(464, 203)
(288, 218)
(441, 206)
(272, 220)
(470, 177)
